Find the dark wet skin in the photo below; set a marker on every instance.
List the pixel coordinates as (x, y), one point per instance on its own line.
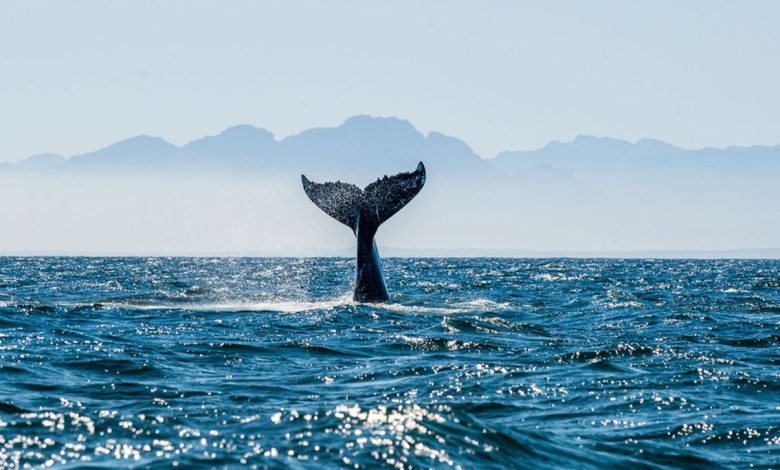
(369, 280)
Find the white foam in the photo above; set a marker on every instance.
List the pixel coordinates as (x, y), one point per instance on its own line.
(283, 306)
(402, 308)
(296, 306)
(477, 305)
(482, 304)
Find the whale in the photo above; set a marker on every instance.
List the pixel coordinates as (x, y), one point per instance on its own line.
(363, 211)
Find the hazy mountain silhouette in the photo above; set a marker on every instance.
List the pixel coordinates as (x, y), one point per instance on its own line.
(236, 147)
(239, 192)
(142, 151)
(364, 146)
(361, 146)
(587, 155)
(43, 161)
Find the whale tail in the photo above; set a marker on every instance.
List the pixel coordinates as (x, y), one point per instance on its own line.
(377, 202)
(364, 210)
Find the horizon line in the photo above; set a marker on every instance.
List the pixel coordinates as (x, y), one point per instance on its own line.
(769, 254)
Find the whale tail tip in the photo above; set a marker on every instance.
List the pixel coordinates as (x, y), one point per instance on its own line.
(384, 197)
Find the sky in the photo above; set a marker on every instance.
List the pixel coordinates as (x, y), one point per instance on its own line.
(79, 75)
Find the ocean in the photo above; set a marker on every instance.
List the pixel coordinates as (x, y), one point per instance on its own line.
(476, 363)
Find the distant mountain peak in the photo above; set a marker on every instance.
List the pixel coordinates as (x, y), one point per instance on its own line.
(241, 141)
(240, 134)
(138, 150)
(361, 119)
(41, 161)
(592, 139)
(144, 138)
(141, 141)
(364, 122)
(246, 130)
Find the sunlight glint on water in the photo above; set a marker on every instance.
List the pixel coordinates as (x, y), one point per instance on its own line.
(478, 362)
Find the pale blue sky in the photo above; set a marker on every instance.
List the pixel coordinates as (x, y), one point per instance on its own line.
(78, 75)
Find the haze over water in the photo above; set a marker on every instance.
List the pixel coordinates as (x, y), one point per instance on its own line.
(478, 363)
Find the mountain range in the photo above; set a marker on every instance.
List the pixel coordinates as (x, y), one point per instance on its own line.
(365, 145)
(239, 192)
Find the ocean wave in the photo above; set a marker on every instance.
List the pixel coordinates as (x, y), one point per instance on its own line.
(108, 363)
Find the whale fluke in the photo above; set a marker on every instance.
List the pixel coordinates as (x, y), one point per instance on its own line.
(338, 200)
(390, 194)
(364, 211)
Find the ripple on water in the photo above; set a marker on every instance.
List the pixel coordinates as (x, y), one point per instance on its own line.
(478, 363)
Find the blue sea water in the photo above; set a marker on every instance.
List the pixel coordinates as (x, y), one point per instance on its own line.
(477, 363)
